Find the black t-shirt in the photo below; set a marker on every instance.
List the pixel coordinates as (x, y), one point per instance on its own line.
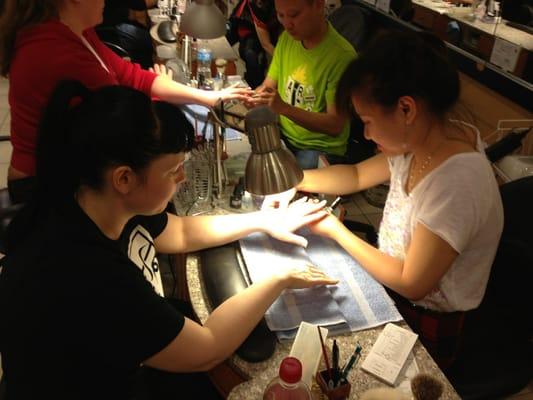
(78, 317)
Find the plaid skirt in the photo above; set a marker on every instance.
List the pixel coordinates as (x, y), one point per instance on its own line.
(439, 332)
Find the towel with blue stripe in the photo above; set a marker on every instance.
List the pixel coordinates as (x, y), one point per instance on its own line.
(357, 302)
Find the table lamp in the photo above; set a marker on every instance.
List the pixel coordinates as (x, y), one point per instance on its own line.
(271, 168)
(203, 20)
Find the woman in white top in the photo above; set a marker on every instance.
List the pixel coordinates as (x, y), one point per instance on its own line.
(443, 216)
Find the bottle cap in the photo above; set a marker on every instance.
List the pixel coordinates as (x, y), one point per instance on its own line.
(221, 62)
(290, 370)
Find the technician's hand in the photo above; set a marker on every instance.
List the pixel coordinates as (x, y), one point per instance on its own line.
(234, 92)
(162, 71)
(265, 95)
(326, 226)
(280, 223)
(307, 276)
(276, 103)
(260, 96)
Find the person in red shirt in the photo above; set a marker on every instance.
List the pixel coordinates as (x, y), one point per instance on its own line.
(46, 41)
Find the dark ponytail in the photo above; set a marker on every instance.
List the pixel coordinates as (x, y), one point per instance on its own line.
(399, 64)
(83, 133)
(54, 143)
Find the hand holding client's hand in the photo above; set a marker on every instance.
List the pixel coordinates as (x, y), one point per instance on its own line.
(265, 95)
(281, 222)
(235, 92)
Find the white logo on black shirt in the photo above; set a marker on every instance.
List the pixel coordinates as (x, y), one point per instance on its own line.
(141, 251)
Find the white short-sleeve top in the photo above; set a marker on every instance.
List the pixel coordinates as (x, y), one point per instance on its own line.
(458, 201)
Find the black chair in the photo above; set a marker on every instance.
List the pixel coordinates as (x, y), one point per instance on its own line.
(121, 52)
(128, 41)
(7, 208)
(353, 23)
(496, 359)
(7, 212)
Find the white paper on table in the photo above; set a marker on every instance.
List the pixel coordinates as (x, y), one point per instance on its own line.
(389, 353)
(308, 350)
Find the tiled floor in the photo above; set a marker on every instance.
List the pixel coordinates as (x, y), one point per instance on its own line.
(360, 210)
(357, 208)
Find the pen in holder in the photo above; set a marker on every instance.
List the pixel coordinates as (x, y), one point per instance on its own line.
(338, 392)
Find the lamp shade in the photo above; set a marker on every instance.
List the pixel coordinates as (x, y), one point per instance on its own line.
(203, 20)
(271, 168)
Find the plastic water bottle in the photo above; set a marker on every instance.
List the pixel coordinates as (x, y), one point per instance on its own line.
(203, 73)
(288, 385)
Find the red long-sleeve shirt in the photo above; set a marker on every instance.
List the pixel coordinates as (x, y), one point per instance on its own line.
(46, 54)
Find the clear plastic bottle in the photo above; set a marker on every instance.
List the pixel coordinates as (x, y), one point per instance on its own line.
(203, 73)
(288, 385)
(194, 49)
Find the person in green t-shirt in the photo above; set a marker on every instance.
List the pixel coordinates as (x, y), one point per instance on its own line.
(308, 61)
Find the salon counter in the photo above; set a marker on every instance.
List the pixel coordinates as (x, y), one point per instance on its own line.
(259, 374)
(471, 49)
(464, 16)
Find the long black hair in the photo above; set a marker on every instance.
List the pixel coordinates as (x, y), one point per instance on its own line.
(82, 133)
(400, 64)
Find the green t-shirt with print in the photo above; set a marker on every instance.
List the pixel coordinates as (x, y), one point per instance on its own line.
(308, 79)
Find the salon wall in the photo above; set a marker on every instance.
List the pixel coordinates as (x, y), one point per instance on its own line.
(488, 108)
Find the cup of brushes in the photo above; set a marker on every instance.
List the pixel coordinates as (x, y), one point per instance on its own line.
(332, 392)
(333, 381)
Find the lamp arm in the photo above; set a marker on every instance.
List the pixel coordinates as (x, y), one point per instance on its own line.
(225, 117)
(217, 111)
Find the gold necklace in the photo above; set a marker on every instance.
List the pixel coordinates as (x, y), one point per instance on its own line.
(418, 172)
